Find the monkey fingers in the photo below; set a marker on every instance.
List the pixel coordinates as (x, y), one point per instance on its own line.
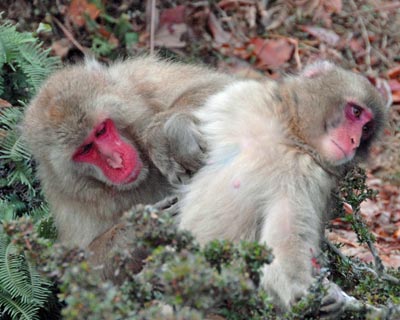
(333, 303)
(175, 146)
(169, 204)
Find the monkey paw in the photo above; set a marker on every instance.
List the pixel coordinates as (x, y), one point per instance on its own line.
(176, 146)
(333, 303)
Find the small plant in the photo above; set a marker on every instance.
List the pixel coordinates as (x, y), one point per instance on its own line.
(23, 67)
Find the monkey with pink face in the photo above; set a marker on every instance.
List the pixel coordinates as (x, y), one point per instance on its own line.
(107, 138)
(276, 151)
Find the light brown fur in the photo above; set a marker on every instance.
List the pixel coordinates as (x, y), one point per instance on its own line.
(150, 103)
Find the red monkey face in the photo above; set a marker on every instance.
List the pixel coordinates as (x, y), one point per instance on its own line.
(105, 149)
(341, 141)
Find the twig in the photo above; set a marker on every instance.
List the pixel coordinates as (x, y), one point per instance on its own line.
(356, 306)
(391, 6)
(377, 260)
(152, 25)
(69, 36)
(376, 273)
(334, 249)
(364, 33)
(353, 305)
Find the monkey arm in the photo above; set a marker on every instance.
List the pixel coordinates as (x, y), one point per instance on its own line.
(288, 277)
(292, 227)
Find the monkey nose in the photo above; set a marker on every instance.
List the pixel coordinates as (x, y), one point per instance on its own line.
(355, 141)
(115, 161)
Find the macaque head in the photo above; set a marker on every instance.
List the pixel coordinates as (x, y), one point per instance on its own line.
(340, 112)
(79, 130)
(342, 140)
(105, 149)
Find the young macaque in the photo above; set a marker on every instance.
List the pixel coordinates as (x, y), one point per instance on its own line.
(107, 138)
(276, 150)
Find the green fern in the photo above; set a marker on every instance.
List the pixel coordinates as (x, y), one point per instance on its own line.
(24, 65)
(23, 68)
(17, 309)
(23, 291)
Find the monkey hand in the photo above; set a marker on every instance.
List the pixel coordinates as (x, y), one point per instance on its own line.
(333, 303)
(175, 145)
(169, 204)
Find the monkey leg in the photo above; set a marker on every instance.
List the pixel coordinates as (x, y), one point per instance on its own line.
(101, 251)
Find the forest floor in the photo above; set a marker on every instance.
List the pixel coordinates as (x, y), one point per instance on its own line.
(253, 39)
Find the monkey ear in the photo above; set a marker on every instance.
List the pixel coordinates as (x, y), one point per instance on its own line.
(318, 68)
(383, 87)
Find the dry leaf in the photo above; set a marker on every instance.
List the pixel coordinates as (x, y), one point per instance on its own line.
(394, 84)
(4, 103)
(79, 8)
(219, 34)
(394, 72)
(322, 34)
(348, 208)
(272, 53)
(170, 36)
(173, 15)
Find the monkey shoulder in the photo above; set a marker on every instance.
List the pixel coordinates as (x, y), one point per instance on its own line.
(230, 113)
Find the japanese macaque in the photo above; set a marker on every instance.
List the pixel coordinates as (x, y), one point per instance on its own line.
(276, 150)
(107, 138)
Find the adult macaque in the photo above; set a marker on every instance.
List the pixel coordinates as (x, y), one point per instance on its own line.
(276, 150)
(107, 138)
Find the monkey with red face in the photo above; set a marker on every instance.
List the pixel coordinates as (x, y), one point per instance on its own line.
(276, 151)
(107, 138)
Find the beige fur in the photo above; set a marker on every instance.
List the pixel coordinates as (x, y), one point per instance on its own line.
(150, 102)
(265, 178)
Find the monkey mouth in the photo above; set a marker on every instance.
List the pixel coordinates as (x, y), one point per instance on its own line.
(346, 157)
(134, 174)
(339, 147)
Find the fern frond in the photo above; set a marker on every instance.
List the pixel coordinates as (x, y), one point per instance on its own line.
(17, 309)
(12, 150)
(8, 210)
(18, 278)
(37, 64)
(12, 147)
(10, 117)
(13, 271)
(29, 63)
(40, 286)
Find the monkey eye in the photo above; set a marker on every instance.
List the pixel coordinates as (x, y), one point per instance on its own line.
(356, 110)
(101, 131)
(86, 148)
(366, 131)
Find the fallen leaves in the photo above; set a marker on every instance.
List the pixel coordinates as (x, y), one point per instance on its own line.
(325, 35)
(79, 9)
(394, 83)
(271, 53)
(383, 218)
